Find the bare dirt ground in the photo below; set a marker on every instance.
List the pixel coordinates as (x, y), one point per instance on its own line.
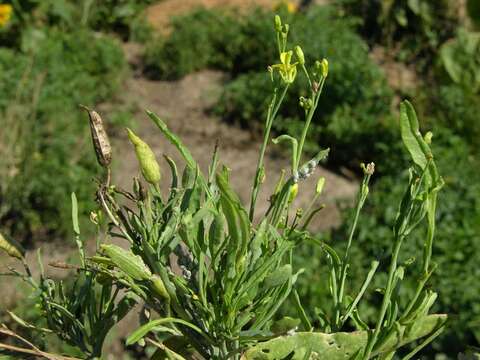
(159, 15)
(182, 105)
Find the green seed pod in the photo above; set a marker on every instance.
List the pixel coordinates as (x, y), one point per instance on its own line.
(12, 248)
(293, 192)
(159, 287)
(299, 54)
(320, 184)
(129, 263)
(146, 158)
(278, 24)
(100, 140)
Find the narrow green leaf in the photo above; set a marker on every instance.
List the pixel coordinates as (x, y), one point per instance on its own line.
(145, 329)
(175, 140)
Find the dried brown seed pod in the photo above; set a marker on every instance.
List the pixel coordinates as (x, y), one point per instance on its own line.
(100, 140)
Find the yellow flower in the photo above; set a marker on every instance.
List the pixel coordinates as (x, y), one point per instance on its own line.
(291, 7)
(5, 14)
(287, 71)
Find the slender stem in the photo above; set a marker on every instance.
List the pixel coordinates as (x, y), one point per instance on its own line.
(343, 272)
(367, 281)
(309, 120)
(272, 112)
(386, 297)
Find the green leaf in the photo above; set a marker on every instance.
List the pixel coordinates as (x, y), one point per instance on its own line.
(152, 325)
(236, 216)
(339, 346)
(283, 325)
(278, 277)
(175, 140)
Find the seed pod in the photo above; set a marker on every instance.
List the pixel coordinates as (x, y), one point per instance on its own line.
(293, 192)
(129, 263)
(320, 184)
(12, 248)
(159, 287)
(100, 140)
(146, 158)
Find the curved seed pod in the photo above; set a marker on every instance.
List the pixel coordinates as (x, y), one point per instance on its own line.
(100, 140)
(129, 263)
(159, 287)
(12, 248)
(146, 158)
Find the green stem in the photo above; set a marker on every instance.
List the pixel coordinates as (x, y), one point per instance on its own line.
(343, 272)
(386, 297)
(272, 113)
(308, 121)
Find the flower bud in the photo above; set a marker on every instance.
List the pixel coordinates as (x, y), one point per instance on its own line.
(320, 184)
(100, 140)
(299, 54)
(368, 169)
(278, 24)
(428, 137)
(324, 68)
(146, 158)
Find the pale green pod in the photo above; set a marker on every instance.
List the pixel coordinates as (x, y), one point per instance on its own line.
(146, 158)
(320, 185)
(129, 263)
(12, 248)
(159, 287)
(293, 193)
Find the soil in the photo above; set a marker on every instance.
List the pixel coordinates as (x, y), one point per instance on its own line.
(184, 106)
(159, 15)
